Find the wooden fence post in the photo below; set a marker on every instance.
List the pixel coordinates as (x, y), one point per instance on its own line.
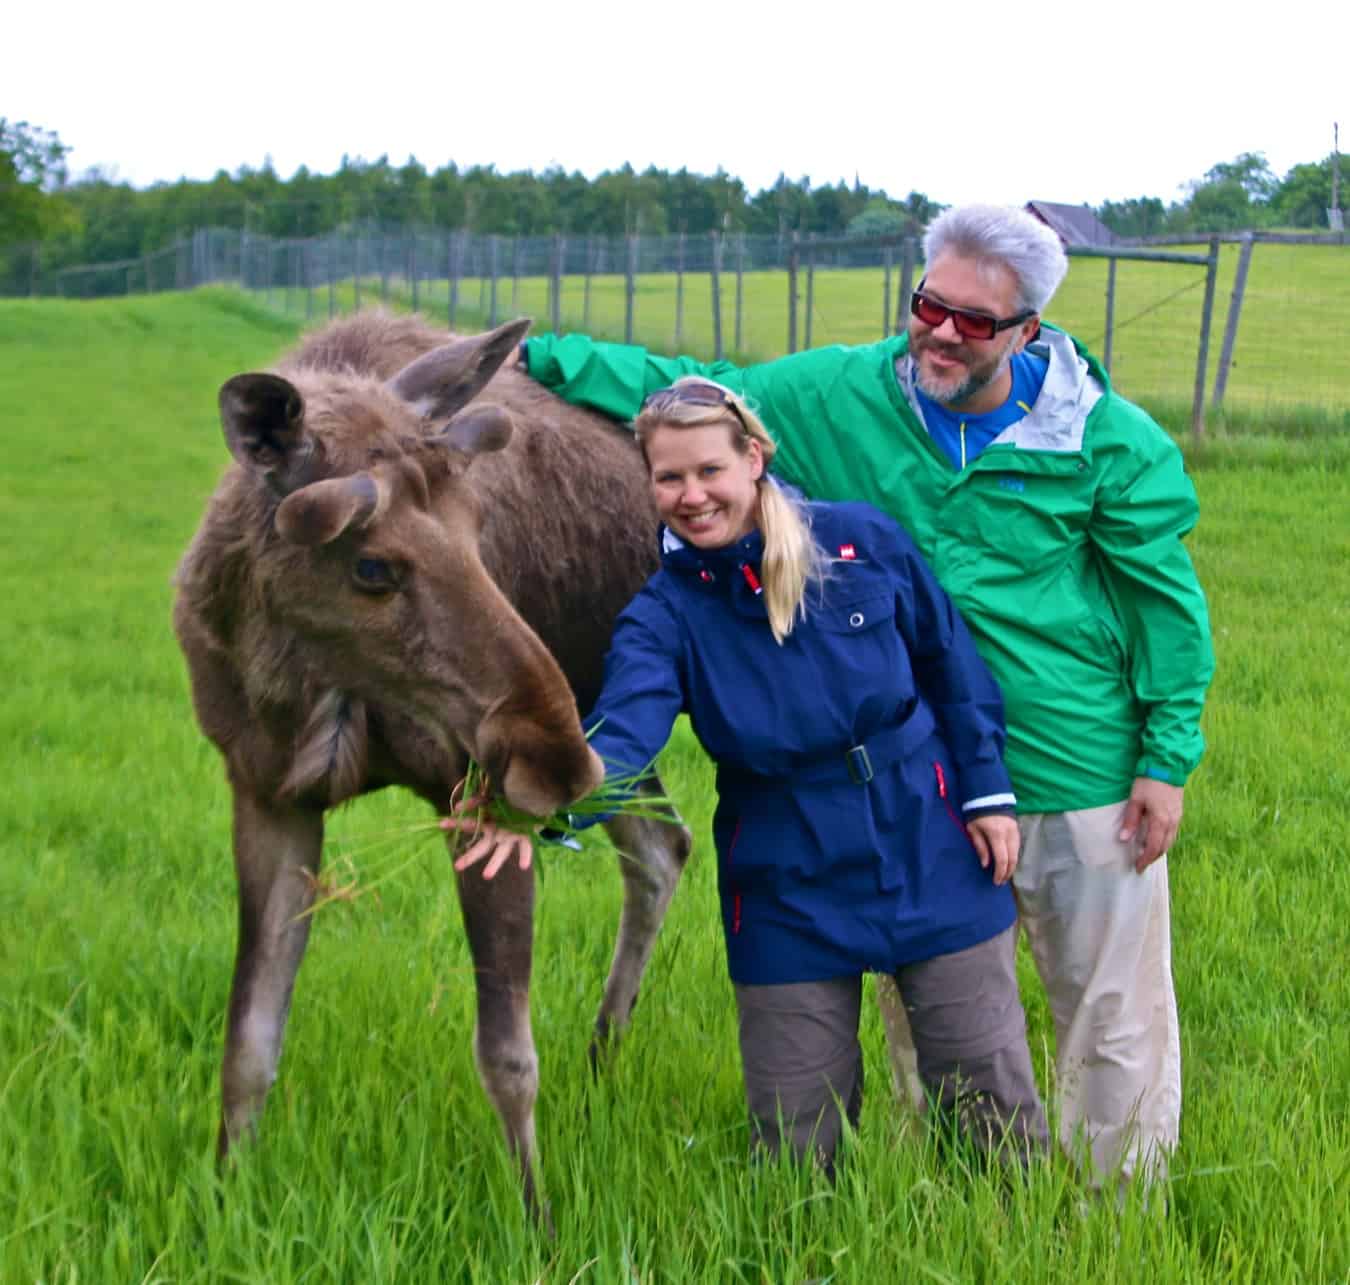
(1234, 315)
(679, 291)
(810, 284)
(494, 247)
(794, 255)
(1110, 313)
(886, 258)
(356, 269)
(740, 293)
(452, 251)
(588, 267)
(908, 253)
(717, 295)
(1202, 357)
(630, 289)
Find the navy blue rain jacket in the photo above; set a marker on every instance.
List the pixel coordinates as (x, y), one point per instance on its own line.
(846, 758)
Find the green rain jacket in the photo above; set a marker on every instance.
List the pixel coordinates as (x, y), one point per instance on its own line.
(1061, 543)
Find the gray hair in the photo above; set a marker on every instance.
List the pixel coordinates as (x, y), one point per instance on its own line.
(1006, 235)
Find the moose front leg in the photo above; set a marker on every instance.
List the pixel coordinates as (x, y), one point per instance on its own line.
(276, 854)
(652, 856)
(499, 921)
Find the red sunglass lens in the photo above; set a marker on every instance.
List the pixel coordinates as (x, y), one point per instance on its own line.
(929, 312)
(970, 325)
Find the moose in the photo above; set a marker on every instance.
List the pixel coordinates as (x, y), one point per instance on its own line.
(415, 558)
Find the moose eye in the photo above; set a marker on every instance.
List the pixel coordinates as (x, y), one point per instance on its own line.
(375, 575)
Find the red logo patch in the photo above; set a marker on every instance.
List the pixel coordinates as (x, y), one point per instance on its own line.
(848, 552)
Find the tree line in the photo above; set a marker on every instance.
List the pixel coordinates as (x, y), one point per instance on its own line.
(97, 218)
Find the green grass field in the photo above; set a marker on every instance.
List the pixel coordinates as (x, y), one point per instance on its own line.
(381, 1160)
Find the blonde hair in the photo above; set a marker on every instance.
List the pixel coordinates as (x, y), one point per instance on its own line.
(792, 559)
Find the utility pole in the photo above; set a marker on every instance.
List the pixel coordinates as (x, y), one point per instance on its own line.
(1335, 218)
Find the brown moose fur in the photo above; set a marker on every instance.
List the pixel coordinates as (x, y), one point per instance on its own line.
(363, 447)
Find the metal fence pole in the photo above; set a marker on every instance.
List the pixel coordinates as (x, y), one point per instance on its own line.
(1231, 326)
(1202, 357)
(794, 255)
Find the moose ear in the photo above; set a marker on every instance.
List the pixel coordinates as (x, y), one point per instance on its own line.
(478, 429)
(322, 511)
(447, 378)
(264, 421)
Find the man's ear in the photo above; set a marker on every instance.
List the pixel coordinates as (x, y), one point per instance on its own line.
(1028, 331)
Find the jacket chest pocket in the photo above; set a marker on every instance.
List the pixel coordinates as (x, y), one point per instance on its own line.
(861, 654)
(856, 618)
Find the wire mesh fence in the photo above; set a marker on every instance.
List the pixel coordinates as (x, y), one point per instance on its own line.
(1179, 329)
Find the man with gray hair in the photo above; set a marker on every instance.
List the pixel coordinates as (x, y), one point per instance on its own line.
(1052, 510)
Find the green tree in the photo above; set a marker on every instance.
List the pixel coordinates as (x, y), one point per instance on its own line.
(1304, 195)
(32, 176)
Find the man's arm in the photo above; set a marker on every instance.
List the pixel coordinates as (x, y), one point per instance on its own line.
(1146, 504)
(613, 378)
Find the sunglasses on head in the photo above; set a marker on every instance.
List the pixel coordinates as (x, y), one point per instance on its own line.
(969, 325)
(694, 393)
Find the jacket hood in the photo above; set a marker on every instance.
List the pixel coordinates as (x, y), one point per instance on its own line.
(1073, 386)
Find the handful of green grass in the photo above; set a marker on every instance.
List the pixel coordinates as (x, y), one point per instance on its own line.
(619, 794)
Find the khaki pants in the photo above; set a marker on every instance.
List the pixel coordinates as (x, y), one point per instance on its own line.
(1100, 935)
(802, 1060)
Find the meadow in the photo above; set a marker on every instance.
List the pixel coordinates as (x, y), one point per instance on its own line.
(380, 1158)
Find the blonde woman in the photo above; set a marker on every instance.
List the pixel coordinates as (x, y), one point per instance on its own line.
(864, 818)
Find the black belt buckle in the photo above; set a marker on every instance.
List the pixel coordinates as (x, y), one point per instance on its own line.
(859, 764)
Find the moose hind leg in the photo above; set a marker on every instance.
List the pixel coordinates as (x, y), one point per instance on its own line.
(498, 919)
(277, 851)
(652, 856)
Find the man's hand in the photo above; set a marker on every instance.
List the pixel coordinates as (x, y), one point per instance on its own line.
(996, 839)
(1154, 815)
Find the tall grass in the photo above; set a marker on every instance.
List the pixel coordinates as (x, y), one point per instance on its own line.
(380, 1159)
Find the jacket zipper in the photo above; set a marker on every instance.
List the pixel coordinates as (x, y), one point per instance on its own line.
(946, 802)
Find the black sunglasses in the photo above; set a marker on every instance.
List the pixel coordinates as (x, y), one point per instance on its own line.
(694, 393)
(969, 325)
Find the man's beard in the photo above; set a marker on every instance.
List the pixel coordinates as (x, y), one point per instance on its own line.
(960, 386)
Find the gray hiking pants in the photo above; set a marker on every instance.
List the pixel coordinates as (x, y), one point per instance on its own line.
(802, 1060)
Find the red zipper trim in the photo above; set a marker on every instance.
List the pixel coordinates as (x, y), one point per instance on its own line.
(942, 794)
(736, 896)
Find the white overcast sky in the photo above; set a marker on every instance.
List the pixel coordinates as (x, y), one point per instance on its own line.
(965, 101)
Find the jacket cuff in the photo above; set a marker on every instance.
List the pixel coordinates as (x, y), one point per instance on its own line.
(1169, 773)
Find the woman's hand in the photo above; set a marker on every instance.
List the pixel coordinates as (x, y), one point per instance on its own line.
(492, 843)
(997, 840)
